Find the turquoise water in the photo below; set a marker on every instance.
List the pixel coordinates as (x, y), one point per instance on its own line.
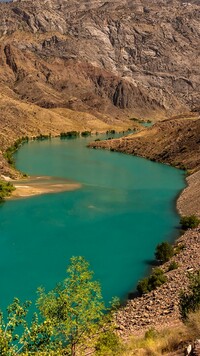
(125, 207)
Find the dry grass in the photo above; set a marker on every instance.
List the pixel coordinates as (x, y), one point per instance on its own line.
(167, 341)
(193, 325)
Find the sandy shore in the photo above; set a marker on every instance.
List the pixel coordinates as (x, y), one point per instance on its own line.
(42, 185)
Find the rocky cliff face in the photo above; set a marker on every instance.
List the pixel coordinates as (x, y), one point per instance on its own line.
(137, 58)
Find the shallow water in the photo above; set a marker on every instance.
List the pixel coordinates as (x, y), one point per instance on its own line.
(125, 207)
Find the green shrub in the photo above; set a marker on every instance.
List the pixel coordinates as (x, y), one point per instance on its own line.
(164, 252)
(86, 133)
(8, 154)
(173, 265)
(6, 188)
(42, 137)
(143, 286)
(189, 222)
(156, 279)
(190, 301)
(69, 134)
(108, 344)
(151, 334)
(112, 132)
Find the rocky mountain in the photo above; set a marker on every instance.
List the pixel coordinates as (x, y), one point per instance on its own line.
(101, 56)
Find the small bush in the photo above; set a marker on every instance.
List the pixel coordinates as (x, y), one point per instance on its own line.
(189, 222)
(151, 334)
(6, 188)
(173, 265)
(190, 301)
(86, 133)
(164, 252)
(143, 286)
(108, 344)
(8, 154)
(112, 132)
(193, 324)
(156, 279)
(69, 134)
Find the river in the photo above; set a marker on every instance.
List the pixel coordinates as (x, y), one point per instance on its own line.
(126, 206)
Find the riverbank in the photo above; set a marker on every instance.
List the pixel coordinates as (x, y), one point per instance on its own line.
(41, 185)
(160, 308)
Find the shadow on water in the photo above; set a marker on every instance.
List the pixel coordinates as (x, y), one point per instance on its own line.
(132, 295)
(152, 263)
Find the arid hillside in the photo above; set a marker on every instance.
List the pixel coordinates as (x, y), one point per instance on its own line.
(174, 141)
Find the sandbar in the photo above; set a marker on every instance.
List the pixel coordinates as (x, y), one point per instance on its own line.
(42, 185)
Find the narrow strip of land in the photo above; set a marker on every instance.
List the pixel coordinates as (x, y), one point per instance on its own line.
(42, 185)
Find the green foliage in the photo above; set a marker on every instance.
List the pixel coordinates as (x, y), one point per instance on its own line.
(75, 307)
(173, 265)
(6, 188)
(69, 134)
(151, 334)
(189, 222)
(156, 279)
(38, 337)
(143, 286)
(108, 344)
(164, 252)
(190, 301)
(112, 132)
(10, 341)
(72, 317)
(42, 137)
(8, 154)
(86, 133)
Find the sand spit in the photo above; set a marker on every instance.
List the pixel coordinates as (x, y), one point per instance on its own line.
(42, 185)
